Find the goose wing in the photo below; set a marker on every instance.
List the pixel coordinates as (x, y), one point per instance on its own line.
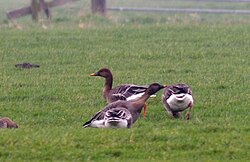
(96, 116)
(181, 88)
(119, 112)
(176, 89)
(100, 114)
(127, 91)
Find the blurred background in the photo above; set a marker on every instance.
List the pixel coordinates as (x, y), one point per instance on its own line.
(96, 13)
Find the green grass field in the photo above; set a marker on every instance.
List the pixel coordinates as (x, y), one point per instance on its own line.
(51, 103)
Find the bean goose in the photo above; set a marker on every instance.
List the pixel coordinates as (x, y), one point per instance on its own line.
(121, 113)
(122, 92)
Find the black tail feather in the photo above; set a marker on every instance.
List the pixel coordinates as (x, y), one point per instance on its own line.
(87, 124)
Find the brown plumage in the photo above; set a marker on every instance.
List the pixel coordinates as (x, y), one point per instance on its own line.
(6, 122)
(134, 107)
(177, 98)
(122, 92)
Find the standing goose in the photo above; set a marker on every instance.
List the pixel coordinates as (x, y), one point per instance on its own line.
(121, 113)
(177, 98)
(123, 92)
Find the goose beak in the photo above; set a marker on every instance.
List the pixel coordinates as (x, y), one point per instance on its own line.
(93, 74)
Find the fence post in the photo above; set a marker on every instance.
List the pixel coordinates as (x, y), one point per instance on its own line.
(35, 7)
(99, 6)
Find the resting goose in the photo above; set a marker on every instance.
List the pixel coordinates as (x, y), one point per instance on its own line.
(123, 92)
(121, 113)
(177, 98)
(6, 122)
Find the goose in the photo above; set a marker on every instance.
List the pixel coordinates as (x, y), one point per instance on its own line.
(126, 92)
(122, 113)
(6, 122)
(177, 98)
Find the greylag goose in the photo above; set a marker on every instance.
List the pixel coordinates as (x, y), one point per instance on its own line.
(123, 92)
(121, 113)
(177, 98)
(6, 122)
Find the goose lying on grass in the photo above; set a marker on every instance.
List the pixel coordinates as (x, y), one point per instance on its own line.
(177, 98)
(123, 92)
(121, 113)
(6, 122)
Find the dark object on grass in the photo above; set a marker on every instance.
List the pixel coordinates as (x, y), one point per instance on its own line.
(27, 65)
(6, 122)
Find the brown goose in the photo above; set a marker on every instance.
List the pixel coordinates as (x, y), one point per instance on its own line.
(121, 113)
(177, 98)
(123, 92)
(6, 122)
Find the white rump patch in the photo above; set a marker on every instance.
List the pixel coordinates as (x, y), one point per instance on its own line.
(98, 124)
(179, 102)
(122, 123)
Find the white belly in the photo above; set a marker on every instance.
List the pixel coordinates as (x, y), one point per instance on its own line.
(98, 124)
(109, 124)
(116, 124)
(179, 102)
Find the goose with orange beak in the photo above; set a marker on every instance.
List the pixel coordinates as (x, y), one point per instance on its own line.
(127, 92)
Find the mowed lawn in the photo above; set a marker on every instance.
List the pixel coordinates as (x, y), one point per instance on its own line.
(51, 103)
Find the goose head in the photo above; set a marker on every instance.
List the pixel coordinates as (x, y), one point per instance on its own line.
(153, 88)
(104, 72)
